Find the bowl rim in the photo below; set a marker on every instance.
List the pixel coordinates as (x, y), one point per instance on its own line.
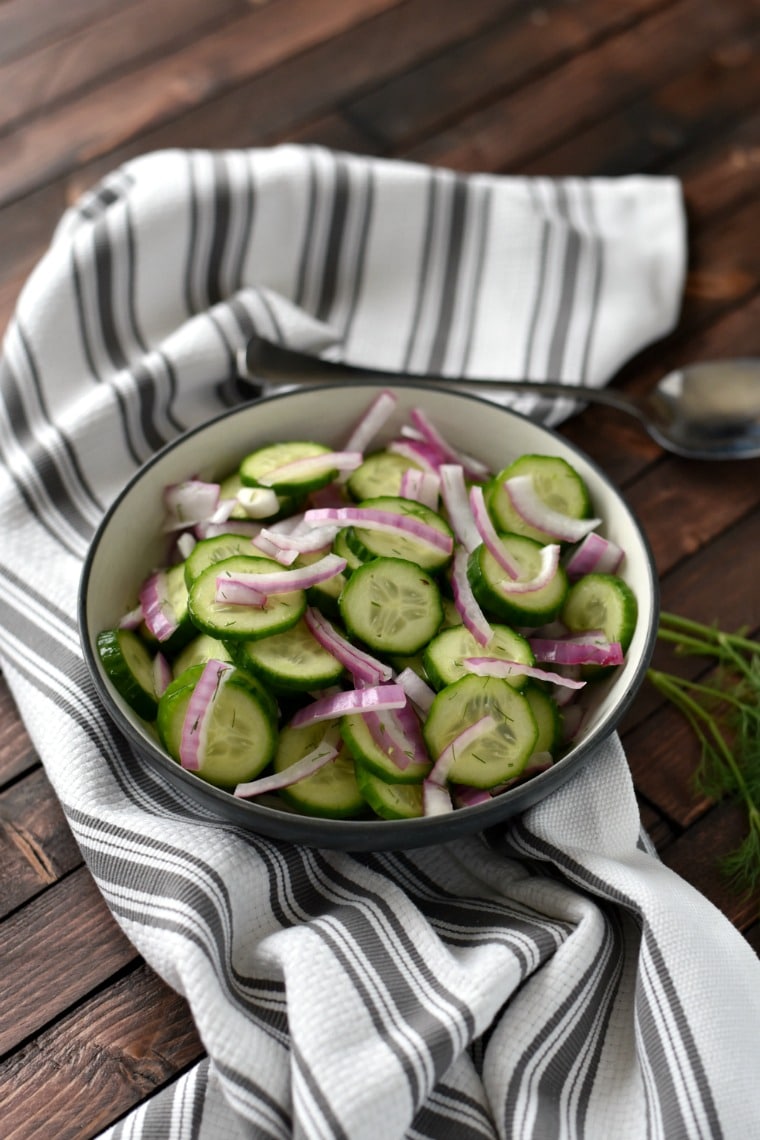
(361, 834)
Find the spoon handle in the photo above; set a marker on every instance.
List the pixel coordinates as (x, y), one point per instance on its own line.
(267, 364)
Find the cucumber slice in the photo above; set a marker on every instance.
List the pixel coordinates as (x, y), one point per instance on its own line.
(292, 660)
(129, 665)
(602, 601)
(392, 606)
(342, 548)
(537, 607)
(234, 622)
(242, 730)
(548, 719)
(443, 658)
(201, 649)
(209, 551)
(390, 801)
(286, 504)
(368, 754)
(380, 474)
(368, 544)
(497, 755)
(556, 482)
(260, 464)
(331, 792)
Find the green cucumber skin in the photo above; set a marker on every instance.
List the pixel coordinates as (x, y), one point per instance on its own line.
(534, 609)
(367, 754)
(284, 612)
(112, 646)
(575, 502)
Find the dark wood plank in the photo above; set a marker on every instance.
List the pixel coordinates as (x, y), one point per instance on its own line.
(98, 1061)
(36, 844)
(56, 951)
(26, 24)
(97, 51)
(17, 754)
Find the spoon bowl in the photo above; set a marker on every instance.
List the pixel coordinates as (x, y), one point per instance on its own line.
(708, 410)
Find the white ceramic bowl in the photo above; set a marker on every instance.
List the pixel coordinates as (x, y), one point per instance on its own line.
(129, 544)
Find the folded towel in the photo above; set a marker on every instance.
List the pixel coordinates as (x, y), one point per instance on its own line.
(555, 980)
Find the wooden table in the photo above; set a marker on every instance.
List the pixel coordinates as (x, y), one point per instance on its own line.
(557, 87)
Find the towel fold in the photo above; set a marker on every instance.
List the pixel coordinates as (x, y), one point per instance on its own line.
(551, 980)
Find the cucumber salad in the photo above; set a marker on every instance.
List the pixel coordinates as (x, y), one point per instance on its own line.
(385, 631)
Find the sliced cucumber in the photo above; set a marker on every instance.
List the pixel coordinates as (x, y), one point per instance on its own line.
(390, 801)
(293, 660)
(380, 474)
(497, 755)
(211, 550)
(201, 649)
(235, 622)
(342, 548)
(286, 504)
(557, 483)
(129, 665)
(370, 755)
(606, 602)
(444, 656)
(535, 607)
(368, 544)
(548, 719)
(178, 603)
(257, 468)
(242, 729)
(332, 791)
(392, 606)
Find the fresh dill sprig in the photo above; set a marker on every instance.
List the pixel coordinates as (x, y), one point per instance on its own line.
(725, 717)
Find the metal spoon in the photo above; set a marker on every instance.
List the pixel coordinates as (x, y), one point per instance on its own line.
(709, 410)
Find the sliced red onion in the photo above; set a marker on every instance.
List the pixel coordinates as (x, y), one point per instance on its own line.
(449, 454)
(185, 543)
(561, 694)
(397, 732)
(370, 518)
(329, 496)
(436, 799)
(192, 747)
(248, 528)
(372, 421)
(488, 534)
(575, 651)
(417, 690)
(307, 766)
(274, 550)
(465, 796)
(422, 486)
(311, 540)
(456, 500)
(362, 667)
(416, 451)
(258, 502)
(375, 698)
(162, 674)
(133, 619)
(468, 736)
(533, 510)
(465, 601)
(594, 554)
(548, 568)
(189, 502)
(241, 589)
(313, 465)
(157, 609)
(498, 667)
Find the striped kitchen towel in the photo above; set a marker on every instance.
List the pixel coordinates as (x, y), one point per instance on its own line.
(555, 981)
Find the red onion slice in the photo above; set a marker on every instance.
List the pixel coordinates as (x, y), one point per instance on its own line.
(313, 466)
(534, 511)
(397, 733)
(242, 589)
(436, 799)
(370, 518)
(416, 452)
(372, 421)
(362, 666)
(258, 502)
(465, 796)
(548, 568)
(456, 500)
(192, 747)
(162, 674)
(372, 699)
(575, 651)
(468, 736)
(157, 609)
(498, 667)
(133, 619)
(309, 541)
(417, 690)
(448, 453)
(488, 534)
(465, 601)
(422, 486)
(312, 762)
(189, 502)
(594, 554)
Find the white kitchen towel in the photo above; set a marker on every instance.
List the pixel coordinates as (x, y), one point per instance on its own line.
(554, 981)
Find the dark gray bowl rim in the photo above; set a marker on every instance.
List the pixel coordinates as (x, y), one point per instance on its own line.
(362, 834)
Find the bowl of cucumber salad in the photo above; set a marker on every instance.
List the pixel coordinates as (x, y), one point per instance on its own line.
(367, 617)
